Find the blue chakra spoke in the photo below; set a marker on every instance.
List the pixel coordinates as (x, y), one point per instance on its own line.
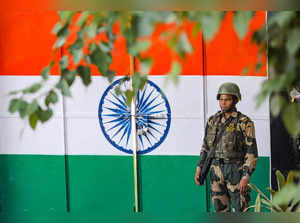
(152, 135)
(154, 112)
(119, 130)
(148, 139)
(142, 99)
(118, 124)
(112, 115)
(156, 123)
(156, 130)
(138, 98)
(143, 121)
(146, 100)
(118, 111)
(141, 140)
(118, 105)
(116, 120)
(146, 109)
(119, 100)
(147, 105)
(128, 134)
(123, 97)
(125, 131)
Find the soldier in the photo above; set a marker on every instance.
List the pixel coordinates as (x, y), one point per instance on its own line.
(235, 153)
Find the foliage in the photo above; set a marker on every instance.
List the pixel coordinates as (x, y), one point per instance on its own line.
(285, 199)
(284, 67)
(88, 49)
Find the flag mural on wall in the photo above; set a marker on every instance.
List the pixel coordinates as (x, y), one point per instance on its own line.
(81, 160)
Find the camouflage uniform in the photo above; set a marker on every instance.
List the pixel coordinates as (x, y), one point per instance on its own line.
(235, 157)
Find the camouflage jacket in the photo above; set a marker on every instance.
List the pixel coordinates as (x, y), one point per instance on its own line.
(237, 143)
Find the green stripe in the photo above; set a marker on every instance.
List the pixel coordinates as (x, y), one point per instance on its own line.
(102, 184)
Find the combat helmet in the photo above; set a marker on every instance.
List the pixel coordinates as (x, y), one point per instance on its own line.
(231, 89)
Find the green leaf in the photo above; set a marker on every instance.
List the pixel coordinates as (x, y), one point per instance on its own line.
(172, 43)
(64, 62)
(285, 195)
(283, 18)
(51, 98)
(66, 16)
(105, 47)
(77, 56)
(174, 72)
(196, 29)
(296, 173)
(280, 180)
(91, 30)
(293, 41)
(78, 44)
(64, 87)
(118, 91)
(245, 70)
(298, 209)
(261, 193)
(276, 104)
(259, 36)
(46, 70)
(290, 178)
(291, 118)
(271, 191)
(241, 22)
(82, 19)
(23, 109)
(85, 74)
(33, 120)
(44, 115)
(184, 43)
(110, 75)
(58, 26)
(257, 204)
(271, 206)
(14, 92)
(139, 47)
(145, 65)
(258, 67)
(32, 107)
(62, 36)
(15, 105)
(138, 82)
(129, 96)
(69, 76)
(131, 33)
(32, 89)
(210, 23)
(276, 84)
(124, 20)
(101, 59)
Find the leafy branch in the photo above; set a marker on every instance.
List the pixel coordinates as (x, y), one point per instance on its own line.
(93, 37)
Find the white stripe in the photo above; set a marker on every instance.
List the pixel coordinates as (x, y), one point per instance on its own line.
(83, 125)
(16, 136)
(84, 135)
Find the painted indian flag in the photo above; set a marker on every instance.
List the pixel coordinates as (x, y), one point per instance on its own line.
(81, 160)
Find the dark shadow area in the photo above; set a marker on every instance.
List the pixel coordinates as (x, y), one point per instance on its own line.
(285, 150)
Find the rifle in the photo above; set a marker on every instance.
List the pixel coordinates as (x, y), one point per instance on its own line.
(206, 166)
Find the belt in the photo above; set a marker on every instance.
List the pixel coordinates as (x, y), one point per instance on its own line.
(223, 161)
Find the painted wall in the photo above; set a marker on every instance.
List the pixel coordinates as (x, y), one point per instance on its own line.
(68, 167)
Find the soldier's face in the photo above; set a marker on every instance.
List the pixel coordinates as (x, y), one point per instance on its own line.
(225, 101)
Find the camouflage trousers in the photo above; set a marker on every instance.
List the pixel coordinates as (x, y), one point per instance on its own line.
(224, 183)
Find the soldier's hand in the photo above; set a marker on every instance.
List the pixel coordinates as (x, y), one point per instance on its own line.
(243, 187)
(197, 174)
